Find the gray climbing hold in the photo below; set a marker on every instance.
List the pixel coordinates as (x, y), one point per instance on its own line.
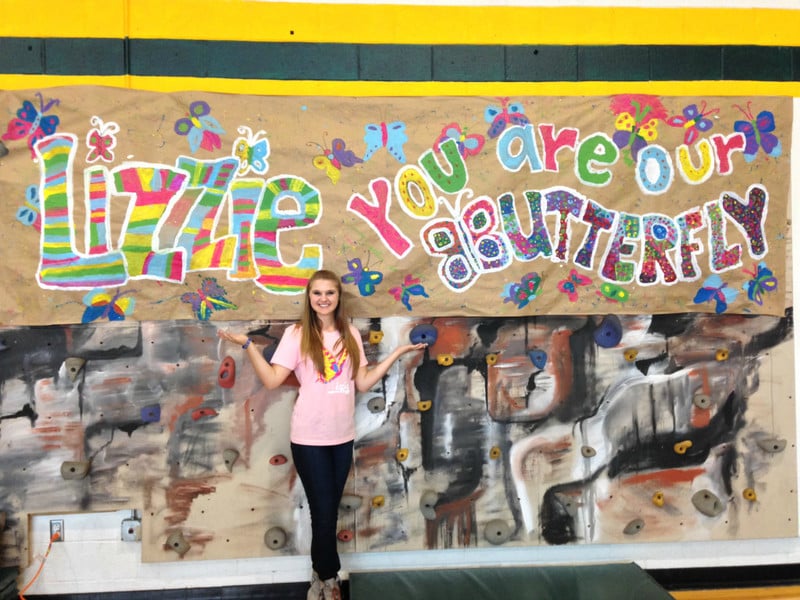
(633, 527)
(588, 451)
(275, 538)
(74, 366)
(497, 532)
(75, 469)
(427, 504)
(702, 401)
(178, 543)
(772, 445)
(708, 503)
(350, 502)
(230, 456)
(376, 404)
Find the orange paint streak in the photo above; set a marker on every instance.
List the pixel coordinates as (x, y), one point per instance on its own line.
(666, 477)
(701, 417)
(452, 338)
(191, 403)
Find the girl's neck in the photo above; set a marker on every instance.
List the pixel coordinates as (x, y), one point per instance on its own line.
(326, 323)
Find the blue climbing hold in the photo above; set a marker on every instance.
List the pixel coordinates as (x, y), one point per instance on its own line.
(538, 358)
(609, 334)
(268, 352)
(423, 334)
(150, 413)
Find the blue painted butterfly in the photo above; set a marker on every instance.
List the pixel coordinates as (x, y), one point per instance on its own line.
(28, 214)
(468, 144)
(694, 120)
(758, 133)
(102, 305)
(392, 136)
(33, 123)
(716, 290)
(763, 281)
(522, 292)
(210, 297)
(410, 287)
(499, 117)
(251, 150)
(200, 127)
(361, 276)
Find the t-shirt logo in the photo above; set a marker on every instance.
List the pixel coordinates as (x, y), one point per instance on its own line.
(333, 365)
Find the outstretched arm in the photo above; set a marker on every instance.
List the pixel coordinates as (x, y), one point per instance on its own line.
(366, 377)
(270, 375)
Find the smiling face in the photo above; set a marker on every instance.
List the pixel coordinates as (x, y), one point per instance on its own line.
(323, 296)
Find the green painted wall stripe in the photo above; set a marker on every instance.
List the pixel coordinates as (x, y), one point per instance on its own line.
(394, 62)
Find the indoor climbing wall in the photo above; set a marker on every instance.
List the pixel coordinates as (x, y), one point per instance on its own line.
(515, 431)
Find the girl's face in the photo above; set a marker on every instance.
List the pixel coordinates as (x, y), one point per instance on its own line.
(324, 297)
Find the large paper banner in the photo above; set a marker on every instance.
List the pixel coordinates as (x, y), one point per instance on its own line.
(125, 204)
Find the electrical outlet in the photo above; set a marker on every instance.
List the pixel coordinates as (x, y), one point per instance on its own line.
(57, 527)
(131, 530)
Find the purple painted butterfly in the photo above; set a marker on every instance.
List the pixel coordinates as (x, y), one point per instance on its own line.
(758, 133)
(102, 305)
(410, 287)
(332, 160)
(762, 281)
(522, 292)
(716, 290)
(200, 127)
(28, 214)
(210, 297)
(361, 276)
(569, 286)
(392, 136)
(499, 117)
(101, 140)
(33, 123)
(251, 150)
(468, 144)
(694, 120)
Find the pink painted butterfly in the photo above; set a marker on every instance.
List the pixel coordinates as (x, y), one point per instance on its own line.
(762, 281)
(500, 117)
(251, 150)
(694, 120)
(468, 144)
(758, 133)
(410, 287)
(636, 122)
(569, 286)
(332, 160)
(33, 123)
(200, 127)
(28, 214)
(391, 136)
(361, 276)
(522, 292)
(210, 297)
(102, 305)
(101, 140)
(716, 290)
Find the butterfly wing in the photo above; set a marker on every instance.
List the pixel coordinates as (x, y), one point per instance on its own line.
(473, 144)
(258, 156)
(346, 157)
(48, 124)
(368, 281)
(324, 163)
(396, 138)
(751, 141)
(26, 215)
(195, 300)
(373, 138)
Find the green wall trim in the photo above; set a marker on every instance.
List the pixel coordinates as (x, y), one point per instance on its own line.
(394, 62)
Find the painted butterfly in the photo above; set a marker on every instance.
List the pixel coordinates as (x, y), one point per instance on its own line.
(332, 160)
(392, 136)
(762, 281)
(251, 150)
(522, 292)
(613, 293)
(569, 286)
(102, 305)
(694, 120)
(33, 123)
(361, 276)
(758, 133)
(499, 117)
(468, 144)
(714, 289)
(210, 297)
(101, 140)
(28, 214)
(410, 287)
(200, 127)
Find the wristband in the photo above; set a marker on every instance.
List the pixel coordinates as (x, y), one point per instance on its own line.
(247, 343)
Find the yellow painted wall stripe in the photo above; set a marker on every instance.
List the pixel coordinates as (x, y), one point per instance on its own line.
(244, 20)
(399, 88)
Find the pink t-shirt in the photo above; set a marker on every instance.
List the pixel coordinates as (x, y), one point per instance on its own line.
(324, 413)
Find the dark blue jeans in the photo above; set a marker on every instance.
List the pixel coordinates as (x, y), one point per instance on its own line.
(323, 471)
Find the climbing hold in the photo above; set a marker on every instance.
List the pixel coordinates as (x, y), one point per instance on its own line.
(402, 454)
(658, 499)
(75, 469)
(631, 354)
(150, 413)
(682, 447)
(345, 535)
(423, 334)
(538, 358)
(74, 366)
(202, 413)
(427, 504)
(633, 527)
(378, 501)
(701, 400)
(277, 460)
(444, 360)
(230, 456)
(350, 502)
(424, 405)
(268, 352)
(708, 503)
(497, 532)
(376, 404)
(495, 452)
(749, 494)
(722, 354)
(771, 444)
(275, 538)
(178, 543)
(491, 359)
(588, 451)
(375, 337)
(226, 376)
(609, 333)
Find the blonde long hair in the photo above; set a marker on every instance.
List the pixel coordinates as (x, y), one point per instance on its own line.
(311, 331)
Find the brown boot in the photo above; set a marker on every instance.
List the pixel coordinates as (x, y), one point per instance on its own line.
(315, 589)
(331, 589)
